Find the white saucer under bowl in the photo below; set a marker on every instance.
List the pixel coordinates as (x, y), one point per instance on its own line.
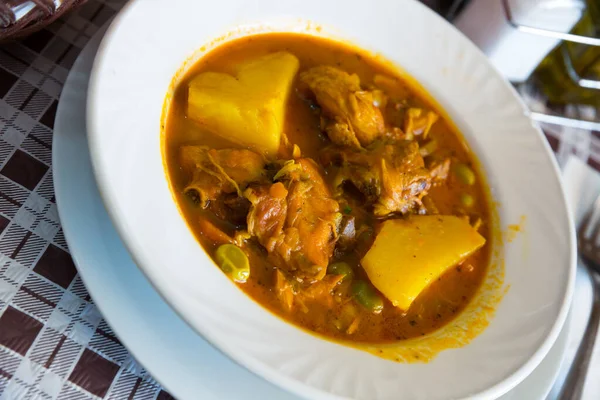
(179, 358)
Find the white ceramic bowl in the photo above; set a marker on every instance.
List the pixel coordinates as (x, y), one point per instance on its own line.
(149, 42)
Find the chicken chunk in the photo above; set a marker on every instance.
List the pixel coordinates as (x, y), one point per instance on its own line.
(419, 122)
(439, 170)
(351, 116)
(231, 208)
(296, 220)
(214, 172)
(291, 292)
(392, 177)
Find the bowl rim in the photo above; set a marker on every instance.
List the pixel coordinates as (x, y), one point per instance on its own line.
(501, 387)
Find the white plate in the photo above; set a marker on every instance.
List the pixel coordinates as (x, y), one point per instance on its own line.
(131, 76)
(180, 359)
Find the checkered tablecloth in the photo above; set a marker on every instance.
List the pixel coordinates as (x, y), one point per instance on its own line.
(54, 344)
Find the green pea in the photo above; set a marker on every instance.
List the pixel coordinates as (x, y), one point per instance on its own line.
(366, 296)
(467, 200)
(464, 174)
(234, 262)
(428, 148)
(341, 268)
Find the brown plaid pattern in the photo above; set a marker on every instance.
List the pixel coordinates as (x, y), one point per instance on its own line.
(54, 343)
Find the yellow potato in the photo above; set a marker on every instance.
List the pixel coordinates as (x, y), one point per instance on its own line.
(248, 108)
(408, 255)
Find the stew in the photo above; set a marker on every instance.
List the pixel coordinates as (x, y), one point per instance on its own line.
(328, 187)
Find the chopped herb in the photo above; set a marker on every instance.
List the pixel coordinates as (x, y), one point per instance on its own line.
(347, 209)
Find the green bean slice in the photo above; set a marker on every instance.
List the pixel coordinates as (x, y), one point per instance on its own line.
(234, 262)
(341, 268)
(467, 200)
(366, 296)
(464, 174)
(428, 148)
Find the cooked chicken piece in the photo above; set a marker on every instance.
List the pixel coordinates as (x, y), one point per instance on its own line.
(428, 207)
(295, 220)
(439, 170)
(321, 291)
(291, 292)
(340, 133)
(213, 233)
(267, 215)
(284, 290)
(404, 180)
(230, 207)
(214, 172)
(353, 119)
(394, 87)
(418, 121)
(347, 230)
(392, 177)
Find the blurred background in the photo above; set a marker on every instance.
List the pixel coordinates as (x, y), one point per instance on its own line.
(550, 51)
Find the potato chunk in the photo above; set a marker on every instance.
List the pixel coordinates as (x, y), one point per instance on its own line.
(408, 255)
(248, 108)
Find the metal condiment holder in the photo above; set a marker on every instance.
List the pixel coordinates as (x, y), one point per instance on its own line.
(573, 75)
(555, 119)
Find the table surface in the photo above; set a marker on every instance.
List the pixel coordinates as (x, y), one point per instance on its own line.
(54, 344)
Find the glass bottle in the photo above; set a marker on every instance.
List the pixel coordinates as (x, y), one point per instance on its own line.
(558, 74)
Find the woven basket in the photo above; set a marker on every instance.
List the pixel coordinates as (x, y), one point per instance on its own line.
(20, 18)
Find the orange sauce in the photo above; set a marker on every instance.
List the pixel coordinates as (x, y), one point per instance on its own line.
(444, 299)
